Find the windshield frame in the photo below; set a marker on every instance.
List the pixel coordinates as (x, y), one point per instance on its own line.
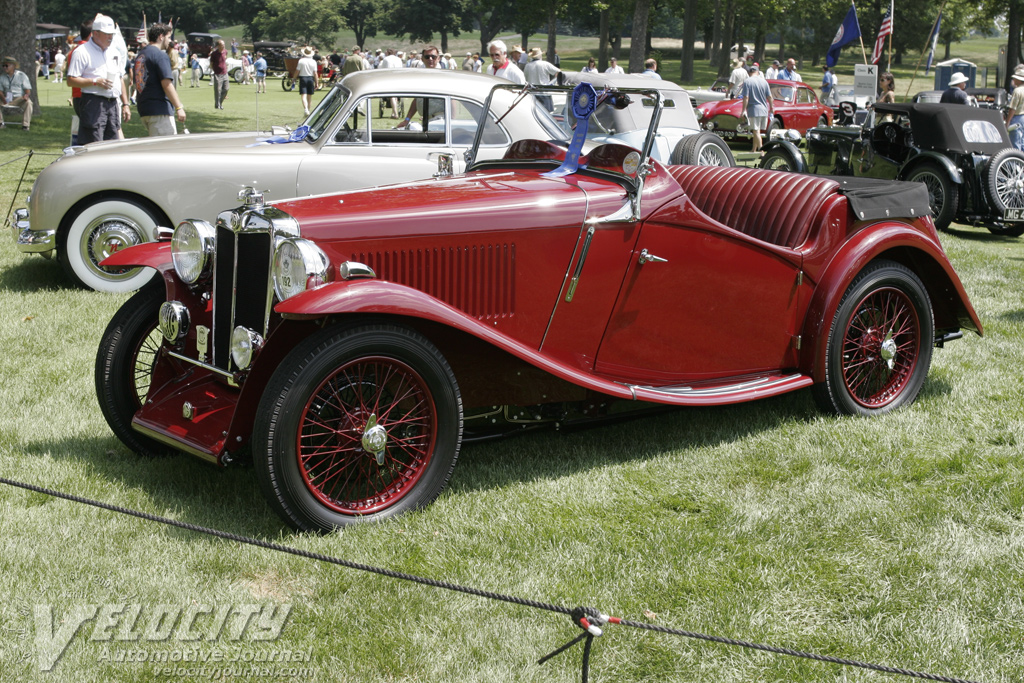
(521, 91)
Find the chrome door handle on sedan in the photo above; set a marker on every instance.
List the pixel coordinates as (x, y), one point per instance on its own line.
(647, 257)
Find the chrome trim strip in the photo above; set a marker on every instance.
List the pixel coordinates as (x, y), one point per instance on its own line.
(174, 443)
(568, 267)
(204, 366)
(688, 390)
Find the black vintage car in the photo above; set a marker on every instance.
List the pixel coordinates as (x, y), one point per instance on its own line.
(275, 51)
(962, 154)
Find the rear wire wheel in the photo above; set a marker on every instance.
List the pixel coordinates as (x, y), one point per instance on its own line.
(357, 424)
(879, 346)
(943, 193)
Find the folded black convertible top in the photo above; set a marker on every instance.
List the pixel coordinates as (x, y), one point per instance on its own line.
(873, 199)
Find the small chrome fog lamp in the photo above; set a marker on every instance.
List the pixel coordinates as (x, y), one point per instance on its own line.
(173, 321)
(244, 345)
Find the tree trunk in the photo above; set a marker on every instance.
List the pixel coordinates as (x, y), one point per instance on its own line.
(444, 41)
(714, 57)
(724, 67)
(689, 39)
(17, 35)
(638, 39)
(602, 47)
(1013, 44)
(552, 27)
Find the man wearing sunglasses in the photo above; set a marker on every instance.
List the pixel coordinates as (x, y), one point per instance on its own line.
(431, 60)
(501, 65)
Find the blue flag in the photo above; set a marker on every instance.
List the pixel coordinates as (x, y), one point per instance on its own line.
(848, 32)
(933, 41)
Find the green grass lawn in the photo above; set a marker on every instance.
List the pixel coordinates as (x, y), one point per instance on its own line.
(897, 540)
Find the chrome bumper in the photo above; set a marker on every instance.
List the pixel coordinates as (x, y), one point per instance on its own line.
(30, 241)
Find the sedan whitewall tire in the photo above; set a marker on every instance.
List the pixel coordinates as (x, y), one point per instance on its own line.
(99, 230)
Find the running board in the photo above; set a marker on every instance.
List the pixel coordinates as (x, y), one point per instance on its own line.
(705, 394)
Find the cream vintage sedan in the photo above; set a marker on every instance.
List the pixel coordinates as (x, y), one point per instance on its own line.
(100, 198)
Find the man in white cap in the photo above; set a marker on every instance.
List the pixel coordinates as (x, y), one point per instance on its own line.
(1015, 110)
(98, 70)
(501, 66)
(956, 93)
(468, 62)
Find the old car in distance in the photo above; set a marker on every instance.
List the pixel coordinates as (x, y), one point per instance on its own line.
(679, 138)
(796, 108)
(963, 155)
(105, 196)
(348, 342)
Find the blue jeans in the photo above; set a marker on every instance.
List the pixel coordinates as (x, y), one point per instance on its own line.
(1017, 136)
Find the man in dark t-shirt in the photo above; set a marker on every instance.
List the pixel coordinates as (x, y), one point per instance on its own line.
(956, 93)
(158, 101)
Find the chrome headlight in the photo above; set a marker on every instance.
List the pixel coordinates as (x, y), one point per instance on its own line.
(244, 344)
(298, 265)
(192, 248)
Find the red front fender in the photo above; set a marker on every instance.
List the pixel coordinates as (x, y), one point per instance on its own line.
(153, 254)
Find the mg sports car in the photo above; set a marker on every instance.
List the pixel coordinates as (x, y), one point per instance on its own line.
(106, 196)
(349, 342)
(963, 155)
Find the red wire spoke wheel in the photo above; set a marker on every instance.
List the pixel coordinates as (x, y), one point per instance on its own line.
(879, 345)
(367, 435)
(357, 423)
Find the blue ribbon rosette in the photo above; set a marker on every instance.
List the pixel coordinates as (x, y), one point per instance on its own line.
(584, 103)
(297, 135)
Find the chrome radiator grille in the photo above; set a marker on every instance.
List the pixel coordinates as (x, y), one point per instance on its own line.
(242, 287)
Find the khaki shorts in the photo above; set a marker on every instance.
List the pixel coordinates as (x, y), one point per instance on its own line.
(160, 125)
(757, 122)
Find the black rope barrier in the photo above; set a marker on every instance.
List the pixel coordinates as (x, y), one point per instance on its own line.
(586, 618)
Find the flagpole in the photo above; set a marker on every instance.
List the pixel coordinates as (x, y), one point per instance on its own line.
(862, 48)
(888, 62)
(918, 67)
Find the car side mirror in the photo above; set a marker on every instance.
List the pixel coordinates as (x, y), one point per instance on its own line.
(445, 165)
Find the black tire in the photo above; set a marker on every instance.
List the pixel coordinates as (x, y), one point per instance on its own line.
(778, 159)
(124, 366)
(943, 193)
(98, 229)
(773, 124)
(288, 84)
(822, 121)
(879, 345)
(1004, 180)
(312, 423)
(702, 149)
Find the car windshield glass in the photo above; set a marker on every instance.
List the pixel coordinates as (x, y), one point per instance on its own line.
(981, 131)
(325, 112)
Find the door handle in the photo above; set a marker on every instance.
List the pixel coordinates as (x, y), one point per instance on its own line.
(647, 257)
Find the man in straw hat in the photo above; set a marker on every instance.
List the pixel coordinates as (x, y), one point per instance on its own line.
(15, 91)
(308, 78)
(736, 78)
(1015, 110)
(539, 71)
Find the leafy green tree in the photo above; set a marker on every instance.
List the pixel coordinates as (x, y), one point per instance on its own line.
(308, 21)
(362, 17)
(491, 16)
(421, 19)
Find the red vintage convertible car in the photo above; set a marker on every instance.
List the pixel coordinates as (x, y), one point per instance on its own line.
(796, 108)
(348, 342)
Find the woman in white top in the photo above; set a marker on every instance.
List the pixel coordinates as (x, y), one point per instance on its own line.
(590, 68)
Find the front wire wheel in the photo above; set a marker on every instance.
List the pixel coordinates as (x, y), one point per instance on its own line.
(879, 346)
(127, 353)
(778, 159)
(358, 424)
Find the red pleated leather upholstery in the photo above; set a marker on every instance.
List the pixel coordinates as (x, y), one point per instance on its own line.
(773, 206)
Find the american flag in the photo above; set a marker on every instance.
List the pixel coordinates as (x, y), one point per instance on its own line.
(141, 35)
(884, 31)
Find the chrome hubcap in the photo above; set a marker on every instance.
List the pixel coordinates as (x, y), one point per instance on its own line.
(109, 236)
(375, 439)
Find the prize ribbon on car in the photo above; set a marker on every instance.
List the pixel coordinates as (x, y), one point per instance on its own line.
(584, 103)
(297, 135)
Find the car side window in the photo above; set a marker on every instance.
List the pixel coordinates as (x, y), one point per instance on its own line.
(806, 96)
(356, 127)
(425, 126)
(465, 115)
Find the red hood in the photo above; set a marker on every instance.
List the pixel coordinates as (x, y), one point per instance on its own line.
(481, 201)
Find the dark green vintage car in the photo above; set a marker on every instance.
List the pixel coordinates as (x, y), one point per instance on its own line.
(962, 154)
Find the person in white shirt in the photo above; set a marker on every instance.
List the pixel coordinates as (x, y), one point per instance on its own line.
(58, 66)
(736, 78)
(541, 72)
(590, 68)
(308, 77)
(772, 72)
(501, 66)
(613, 67)
(98, 69)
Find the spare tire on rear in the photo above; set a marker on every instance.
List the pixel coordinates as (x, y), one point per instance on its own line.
(702, 149)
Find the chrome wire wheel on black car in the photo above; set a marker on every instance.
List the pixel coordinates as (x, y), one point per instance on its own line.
(127, 354)
(702, 149)
(943, 193)
(880, 343)
(1004, 180)
(358, 423)
(778, 159)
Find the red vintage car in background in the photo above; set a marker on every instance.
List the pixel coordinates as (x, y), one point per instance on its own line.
(796, 108)
(349, 342)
